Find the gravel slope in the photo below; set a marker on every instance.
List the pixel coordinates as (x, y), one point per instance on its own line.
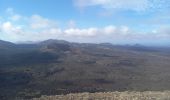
(148, 95)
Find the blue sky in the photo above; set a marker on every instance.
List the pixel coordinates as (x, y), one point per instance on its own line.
(115, 21)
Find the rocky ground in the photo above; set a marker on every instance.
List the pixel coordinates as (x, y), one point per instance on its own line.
(56, 67)
(148, 95)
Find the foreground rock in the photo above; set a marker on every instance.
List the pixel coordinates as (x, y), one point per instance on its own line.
(148, 95)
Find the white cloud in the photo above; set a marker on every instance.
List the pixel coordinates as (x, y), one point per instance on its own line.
(135, 5)
(53, 33)
(110, 29)
(7, 27)
(95, 32)
(38, 28)
(90, 32)
(132, 5)
(38, 22)
(163, 32)
(23, 28)
(16, 17)
(13, 32)
(12, 15)
(125, 30)
(10, 31)
(71, 24)
(107, 33)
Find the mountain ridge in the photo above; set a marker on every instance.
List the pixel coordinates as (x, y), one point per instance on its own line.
(58, 67)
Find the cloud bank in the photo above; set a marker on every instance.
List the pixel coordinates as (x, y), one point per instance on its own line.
(38, 28)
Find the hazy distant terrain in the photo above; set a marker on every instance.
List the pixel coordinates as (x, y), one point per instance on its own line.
(59, 67)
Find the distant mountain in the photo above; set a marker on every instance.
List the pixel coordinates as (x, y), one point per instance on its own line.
(5, 44)
(51, 41)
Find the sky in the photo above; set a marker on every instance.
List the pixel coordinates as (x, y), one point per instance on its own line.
(90, 21)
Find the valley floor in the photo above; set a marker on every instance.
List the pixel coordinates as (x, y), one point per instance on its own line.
(147, 95)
